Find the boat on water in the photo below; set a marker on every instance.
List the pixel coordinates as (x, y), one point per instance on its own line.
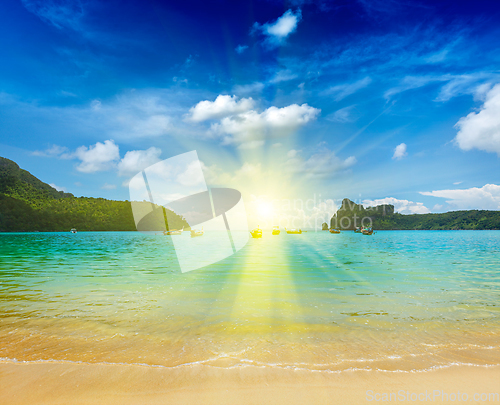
(73, 230)
(366, 231)
(276, 230)
(256, 233)
(174, 232)
(294, 231)
(357, 230)
(333, 230)
(196, 232)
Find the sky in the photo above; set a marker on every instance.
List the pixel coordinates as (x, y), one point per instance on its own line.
(377, 101)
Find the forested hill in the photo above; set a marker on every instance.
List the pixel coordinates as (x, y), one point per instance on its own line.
(28, 204)
(21, 184)
(383, 217)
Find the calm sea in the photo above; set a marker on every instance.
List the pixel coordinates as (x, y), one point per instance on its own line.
(395, 301)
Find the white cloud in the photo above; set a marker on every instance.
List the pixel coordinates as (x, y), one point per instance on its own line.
(255, 87)
(180, 80)
(456, 85)
(276, 32)
(95, 105)
(107, 186)
(57, 187)
(252, 125)
(251, 145)
(481, 130)
(341, 91)
(241, 48)
(58, 13)
(283, 76)
(343, 115)
(135, 161)
(400, 151)
(223, 106)
(151, 126)
(192, 175)
(321, 164)
(465, 84)
(132, 115)
(486, 197)
(481, 91)
(248, 173)
(99, 157)
(137, 116)
(437, 57)
(414, 82)
(61, 152)
(401, 206)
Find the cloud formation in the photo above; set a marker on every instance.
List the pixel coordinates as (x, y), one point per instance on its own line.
(414, 82)
(223, 106)
(98, 157)
(323, 163)
(59, 13)
(135, 161)
(244, 89)
(131, 115)
(401, 206)
(105, 156)
(486, 197)
(58, 188)
(276, 32)
(341, 91)
(247, 173)
(94, 158)
(61, 152)
(251, 125)
(241, 48)
(343, 115)
(400, 151)
(481, 130)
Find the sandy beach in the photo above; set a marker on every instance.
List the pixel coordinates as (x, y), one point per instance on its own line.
(64, 383)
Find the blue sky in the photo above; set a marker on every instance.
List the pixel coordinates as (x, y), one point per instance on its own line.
(378, 101)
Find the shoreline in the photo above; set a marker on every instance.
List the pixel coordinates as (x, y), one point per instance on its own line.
(80, 383)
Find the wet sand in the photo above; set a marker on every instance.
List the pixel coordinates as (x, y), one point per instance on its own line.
(79, 383)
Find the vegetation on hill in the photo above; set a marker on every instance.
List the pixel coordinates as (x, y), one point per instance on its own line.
(351, 215)
(28, 204)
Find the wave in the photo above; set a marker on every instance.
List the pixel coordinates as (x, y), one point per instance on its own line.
(247, 363)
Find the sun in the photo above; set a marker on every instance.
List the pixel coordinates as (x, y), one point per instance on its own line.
(264, 209)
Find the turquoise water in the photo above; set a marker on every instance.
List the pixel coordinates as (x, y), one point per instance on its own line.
(396, 301)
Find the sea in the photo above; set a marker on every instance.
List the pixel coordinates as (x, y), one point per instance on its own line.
(395, 301)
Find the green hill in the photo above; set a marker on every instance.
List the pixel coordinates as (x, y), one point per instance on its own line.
(28, 204)
(383, 217)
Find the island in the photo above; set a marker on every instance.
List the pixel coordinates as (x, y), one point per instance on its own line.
(27, 204)
(383, 217)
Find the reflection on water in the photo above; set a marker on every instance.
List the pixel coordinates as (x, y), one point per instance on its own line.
(393, 300)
